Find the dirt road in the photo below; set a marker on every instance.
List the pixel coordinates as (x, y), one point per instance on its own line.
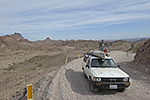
(70, 83)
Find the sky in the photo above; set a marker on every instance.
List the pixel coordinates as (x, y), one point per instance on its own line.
(75, 19)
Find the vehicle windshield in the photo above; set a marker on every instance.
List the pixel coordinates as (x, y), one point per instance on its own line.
(107, 63)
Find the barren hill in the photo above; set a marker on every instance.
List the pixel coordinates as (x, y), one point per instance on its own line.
(143, 54)
(16, 42)
(18, 36)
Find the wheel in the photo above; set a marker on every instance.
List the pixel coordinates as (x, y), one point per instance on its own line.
(84, 75)
(92, 88)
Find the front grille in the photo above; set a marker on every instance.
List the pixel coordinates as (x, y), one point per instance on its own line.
(112, 79)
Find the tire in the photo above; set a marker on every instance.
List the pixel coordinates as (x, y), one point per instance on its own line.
(84, 75)
(92, 88)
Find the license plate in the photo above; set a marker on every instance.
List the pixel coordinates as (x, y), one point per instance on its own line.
(112, 86)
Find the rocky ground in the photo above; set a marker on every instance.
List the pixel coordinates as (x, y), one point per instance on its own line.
(19, 68)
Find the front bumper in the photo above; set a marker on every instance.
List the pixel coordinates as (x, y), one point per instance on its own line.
(106, 85)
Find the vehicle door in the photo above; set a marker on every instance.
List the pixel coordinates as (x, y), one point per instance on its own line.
(87, 67)
(84, 62)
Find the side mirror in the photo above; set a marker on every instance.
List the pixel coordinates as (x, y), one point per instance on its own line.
(118, 65)
(87, 66)
(82, 68)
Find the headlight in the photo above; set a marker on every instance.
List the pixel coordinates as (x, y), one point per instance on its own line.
(97, 79)
(126, 79)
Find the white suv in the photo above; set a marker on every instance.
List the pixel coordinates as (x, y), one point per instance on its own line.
(103, 73)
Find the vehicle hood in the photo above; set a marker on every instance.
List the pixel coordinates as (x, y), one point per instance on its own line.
(108, 72)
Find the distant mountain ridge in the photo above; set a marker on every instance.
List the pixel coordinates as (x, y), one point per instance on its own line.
(19, 37)
(136, 39)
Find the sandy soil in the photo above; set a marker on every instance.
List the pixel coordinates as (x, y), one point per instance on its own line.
(70, 83)
(13, 57)
(19, 68)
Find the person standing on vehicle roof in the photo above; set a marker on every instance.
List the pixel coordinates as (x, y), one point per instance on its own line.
(104, 47)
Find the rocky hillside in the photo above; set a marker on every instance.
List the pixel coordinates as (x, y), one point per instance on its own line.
(143, 54)
(16, 42)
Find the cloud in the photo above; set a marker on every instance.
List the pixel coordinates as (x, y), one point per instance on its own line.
(55, 15)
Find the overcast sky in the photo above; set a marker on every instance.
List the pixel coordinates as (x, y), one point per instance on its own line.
(75, 19)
